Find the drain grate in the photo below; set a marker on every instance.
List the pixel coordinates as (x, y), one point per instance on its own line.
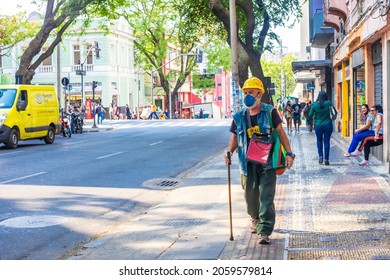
(167, 183)
(161, 183)
(184, 222)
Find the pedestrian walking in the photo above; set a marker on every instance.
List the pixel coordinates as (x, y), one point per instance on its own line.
(323, 126)
(279, 107)
(296, 114)
(309, 121)
(200, 113)
(128, 113)
(288, 116)
(116, 112)
(258, 182)
(111, 111)
(153, 109)
(100, 113)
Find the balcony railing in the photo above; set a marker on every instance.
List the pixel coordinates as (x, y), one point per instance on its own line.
(87, 67)
(46, 69)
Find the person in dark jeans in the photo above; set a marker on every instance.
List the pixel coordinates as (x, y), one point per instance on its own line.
(377, 138)
(296, 114)
(323, 126)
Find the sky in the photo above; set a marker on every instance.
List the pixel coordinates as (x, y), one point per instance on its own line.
(11, 8)
(290, 37)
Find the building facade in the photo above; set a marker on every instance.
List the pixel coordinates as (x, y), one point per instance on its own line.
(355, 69)
(119, 81)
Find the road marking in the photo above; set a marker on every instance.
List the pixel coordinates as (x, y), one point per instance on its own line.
(155, 143)
(10, 153)
(110, 155)
(24, 177)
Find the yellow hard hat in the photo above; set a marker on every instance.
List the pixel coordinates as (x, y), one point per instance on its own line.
(253, 82)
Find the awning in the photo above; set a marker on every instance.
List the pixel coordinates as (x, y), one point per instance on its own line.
(310, 65)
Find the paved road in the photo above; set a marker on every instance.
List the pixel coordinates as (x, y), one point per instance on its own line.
(54, 197)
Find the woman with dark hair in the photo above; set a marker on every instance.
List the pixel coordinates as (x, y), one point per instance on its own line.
(362, 132)
(376, 138)
(323, 126)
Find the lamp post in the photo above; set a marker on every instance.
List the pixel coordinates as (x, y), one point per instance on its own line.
(158, 68)
(282, 77)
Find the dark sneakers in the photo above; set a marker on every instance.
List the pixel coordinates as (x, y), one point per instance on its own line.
(263, 239)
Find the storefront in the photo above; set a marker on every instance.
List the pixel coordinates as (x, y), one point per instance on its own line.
(359, 86)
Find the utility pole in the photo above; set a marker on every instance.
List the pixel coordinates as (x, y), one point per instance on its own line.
(233, 46)
(282, 77)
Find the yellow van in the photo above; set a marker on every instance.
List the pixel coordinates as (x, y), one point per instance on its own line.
(28, 112)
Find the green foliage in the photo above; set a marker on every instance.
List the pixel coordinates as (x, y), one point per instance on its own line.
(14, 29)
(203, 81)
(218, 55)
(272, 69)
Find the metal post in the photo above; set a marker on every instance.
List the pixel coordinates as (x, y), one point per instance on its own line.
(152, 87)
(82, 83)
(138, 90)
(68, 90)
(233, 46)
(94, 106)
(282, 89)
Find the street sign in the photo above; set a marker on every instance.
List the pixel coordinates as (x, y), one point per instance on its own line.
(80, 72)
(310, 86)
(65, 81)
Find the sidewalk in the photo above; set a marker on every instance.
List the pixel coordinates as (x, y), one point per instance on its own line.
(339, 211)
(336, 212)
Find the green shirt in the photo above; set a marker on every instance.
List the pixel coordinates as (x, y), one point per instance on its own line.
(321, 115)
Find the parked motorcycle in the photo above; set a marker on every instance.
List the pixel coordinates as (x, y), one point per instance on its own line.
(65, 128)
(77, 123)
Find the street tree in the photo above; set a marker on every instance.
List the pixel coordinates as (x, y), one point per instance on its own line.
(256, 20)
(59, 16)
(161, 26)
(14, 29)
(272, 69)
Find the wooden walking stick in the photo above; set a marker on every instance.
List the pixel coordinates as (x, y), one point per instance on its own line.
(230, 197)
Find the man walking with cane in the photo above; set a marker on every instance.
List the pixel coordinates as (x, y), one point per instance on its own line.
(258, 182)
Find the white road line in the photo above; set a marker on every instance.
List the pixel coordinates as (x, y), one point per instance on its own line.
(155, 143)
(24, 177)
(10, 153)
(110, 155)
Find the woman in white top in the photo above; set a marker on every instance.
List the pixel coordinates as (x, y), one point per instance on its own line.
(377, 138)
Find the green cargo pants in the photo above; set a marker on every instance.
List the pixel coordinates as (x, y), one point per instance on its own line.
(259, 187)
